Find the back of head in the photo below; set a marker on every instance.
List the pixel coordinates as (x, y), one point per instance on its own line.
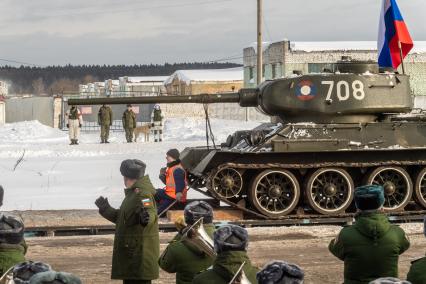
(280, 272)
(11, 229)
(369, 197)
(132, 168)
(23, 272)
(173, 153)
(389, 280)
(196, 210)
(53, 277)
(230, 238)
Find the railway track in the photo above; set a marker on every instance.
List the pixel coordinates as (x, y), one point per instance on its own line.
(165, 226)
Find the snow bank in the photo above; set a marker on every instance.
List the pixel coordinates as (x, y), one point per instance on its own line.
(419, 46)
(30, 132)
(55, 175)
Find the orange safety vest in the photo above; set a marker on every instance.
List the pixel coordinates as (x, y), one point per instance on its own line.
(171, 185)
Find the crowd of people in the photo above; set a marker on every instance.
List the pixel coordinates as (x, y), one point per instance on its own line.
(200, 253)
(74, 122)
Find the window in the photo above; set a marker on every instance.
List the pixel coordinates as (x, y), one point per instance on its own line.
(251, 75)
(274, 71)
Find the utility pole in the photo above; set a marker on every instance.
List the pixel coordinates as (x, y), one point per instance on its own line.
(259, 42)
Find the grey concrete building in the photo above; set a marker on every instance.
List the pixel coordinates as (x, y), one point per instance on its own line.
(283, 58)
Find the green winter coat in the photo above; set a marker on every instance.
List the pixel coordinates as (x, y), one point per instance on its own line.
(105, 115)
(224, 268)
(185, 259)
(370, 248)
(136, 248)
(417, 273)
(157, 115)
(129, 119)
(10, 255)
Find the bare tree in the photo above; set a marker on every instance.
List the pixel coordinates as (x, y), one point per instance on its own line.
(38, 86)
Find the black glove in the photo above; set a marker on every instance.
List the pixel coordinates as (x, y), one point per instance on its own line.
(142, 216)
(68, 126)
(102, 203)
(79, 125)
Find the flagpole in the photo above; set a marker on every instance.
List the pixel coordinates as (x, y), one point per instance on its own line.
(402, 58)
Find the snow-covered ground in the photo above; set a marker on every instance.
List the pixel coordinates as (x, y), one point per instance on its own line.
(54, 175)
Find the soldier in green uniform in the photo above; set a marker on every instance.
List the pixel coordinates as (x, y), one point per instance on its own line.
(136, 243)
(105, 121)
(417, 273)
(280, 272)
(182, 257)
(129, 123)
(12, 244)
(371, 247)
(230, 244)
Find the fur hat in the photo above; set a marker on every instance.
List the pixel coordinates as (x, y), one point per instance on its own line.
(53, 277)
(280, 272)
(389, 280)
(11, 229)
(196, 210)
(230, 237)
(173, 153)
(23, 272)
(133, 169)
(369, 197)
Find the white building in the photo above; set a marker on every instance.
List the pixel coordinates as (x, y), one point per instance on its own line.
(143, 85)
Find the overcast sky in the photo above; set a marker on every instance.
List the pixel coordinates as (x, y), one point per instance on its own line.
(59, 32)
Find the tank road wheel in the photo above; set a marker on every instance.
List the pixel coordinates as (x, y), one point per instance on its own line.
(227, 182)
(420, 188)
(275, 193)
(397, 184)
(330, 190)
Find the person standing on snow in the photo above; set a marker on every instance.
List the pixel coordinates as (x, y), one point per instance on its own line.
(74, 123)
(129, 123)
(157, 124)
(105, 122)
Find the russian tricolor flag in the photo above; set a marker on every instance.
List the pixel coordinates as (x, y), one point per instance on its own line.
(394, 37)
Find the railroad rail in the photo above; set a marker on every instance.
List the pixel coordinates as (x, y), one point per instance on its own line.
(165, 226)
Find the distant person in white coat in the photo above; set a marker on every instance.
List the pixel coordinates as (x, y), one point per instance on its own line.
(74, 122)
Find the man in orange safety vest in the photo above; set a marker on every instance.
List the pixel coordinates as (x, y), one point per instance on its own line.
(174, 177)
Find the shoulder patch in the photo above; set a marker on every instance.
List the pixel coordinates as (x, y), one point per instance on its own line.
(146, 202)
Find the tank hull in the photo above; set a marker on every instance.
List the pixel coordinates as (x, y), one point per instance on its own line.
(320, 164)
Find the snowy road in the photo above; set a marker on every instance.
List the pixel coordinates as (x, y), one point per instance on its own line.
(54, 175)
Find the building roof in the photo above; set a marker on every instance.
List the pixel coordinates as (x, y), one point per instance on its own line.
(207, 75)
(142, 79)
(308, 46)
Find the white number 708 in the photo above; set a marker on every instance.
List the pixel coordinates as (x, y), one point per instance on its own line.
(343, 90)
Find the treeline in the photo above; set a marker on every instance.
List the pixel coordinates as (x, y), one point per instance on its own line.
(58, 79)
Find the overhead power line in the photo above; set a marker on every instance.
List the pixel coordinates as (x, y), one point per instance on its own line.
(19, 62)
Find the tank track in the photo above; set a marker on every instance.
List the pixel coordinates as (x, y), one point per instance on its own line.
(300, 212)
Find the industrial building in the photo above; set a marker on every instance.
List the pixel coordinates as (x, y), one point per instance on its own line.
(285, 58)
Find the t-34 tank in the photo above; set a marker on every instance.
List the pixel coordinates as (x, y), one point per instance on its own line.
(333, 131)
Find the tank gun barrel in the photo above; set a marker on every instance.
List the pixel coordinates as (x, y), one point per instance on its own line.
(244, 97)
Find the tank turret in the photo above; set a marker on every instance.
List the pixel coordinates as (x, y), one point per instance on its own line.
(354, 92)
